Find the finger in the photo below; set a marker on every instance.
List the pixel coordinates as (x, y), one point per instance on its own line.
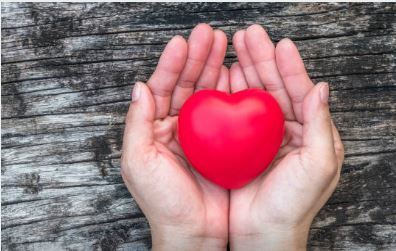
(139, 121)
(245, 61)
(223, 84)
(237, 78)
(318, 144)
(199, 44)
(163, 127)
(294, 75)
(292, 138)
(169, 68)
(262, 52)
(293, 134)
(212, 68)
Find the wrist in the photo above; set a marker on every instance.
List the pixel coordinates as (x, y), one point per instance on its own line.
(271, 239)
(174, 238)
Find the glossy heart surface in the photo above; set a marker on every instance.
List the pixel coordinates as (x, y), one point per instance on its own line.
(231, 138)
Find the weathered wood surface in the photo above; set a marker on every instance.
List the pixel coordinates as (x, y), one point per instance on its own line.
(67, 71)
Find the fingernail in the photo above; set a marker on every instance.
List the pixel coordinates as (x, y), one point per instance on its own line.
(136, 91)
(324, 92)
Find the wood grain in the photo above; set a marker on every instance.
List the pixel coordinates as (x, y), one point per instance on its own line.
(67, 71)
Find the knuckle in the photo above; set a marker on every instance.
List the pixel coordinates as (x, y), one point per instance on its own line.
(341, 149)
(124, 163)
(331, 169)
(327, 165)
(141, 157)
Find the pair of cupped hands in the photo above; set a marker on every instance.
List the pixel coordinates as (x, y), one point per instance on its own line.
(188, 212)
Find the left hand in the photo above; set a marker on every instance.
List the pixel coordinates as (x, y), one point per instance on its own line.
(275, 211)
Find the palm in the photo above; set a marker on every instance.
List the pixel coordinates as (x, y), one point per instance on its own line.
(276, 195)
(187, 198)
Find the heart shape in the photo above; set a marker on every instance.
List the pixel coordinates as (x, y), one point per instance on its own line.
(231, 138)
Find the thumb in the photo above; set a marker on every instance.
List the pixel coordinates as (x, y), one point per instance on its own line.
(317, 128)
(139, 121)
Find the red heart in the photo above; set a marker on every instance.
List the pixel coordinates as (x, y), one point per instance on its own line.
(231, 139)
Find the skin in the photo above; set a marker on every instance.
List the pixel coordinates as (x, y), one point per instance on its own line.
(275, 211)
(185, 211)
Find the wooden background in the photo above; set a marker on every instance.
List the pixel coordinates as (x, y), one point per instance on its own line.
(67, 72)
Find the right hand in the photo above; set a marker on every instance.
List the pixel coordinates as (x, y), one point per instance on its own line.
(184, 210)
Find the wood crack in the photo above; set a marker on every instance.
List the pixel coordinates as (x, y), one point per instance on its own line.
(66, 64)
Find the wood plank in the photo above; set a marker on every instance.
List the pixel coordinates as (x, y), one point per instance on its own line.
(67, 72)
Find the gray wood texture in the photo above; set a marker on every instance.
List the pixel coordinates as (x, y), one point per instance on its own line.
(67, 72)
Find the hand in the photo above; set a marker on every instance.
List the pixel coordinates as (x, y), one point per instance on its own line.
(184, 210)
(275, 211)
